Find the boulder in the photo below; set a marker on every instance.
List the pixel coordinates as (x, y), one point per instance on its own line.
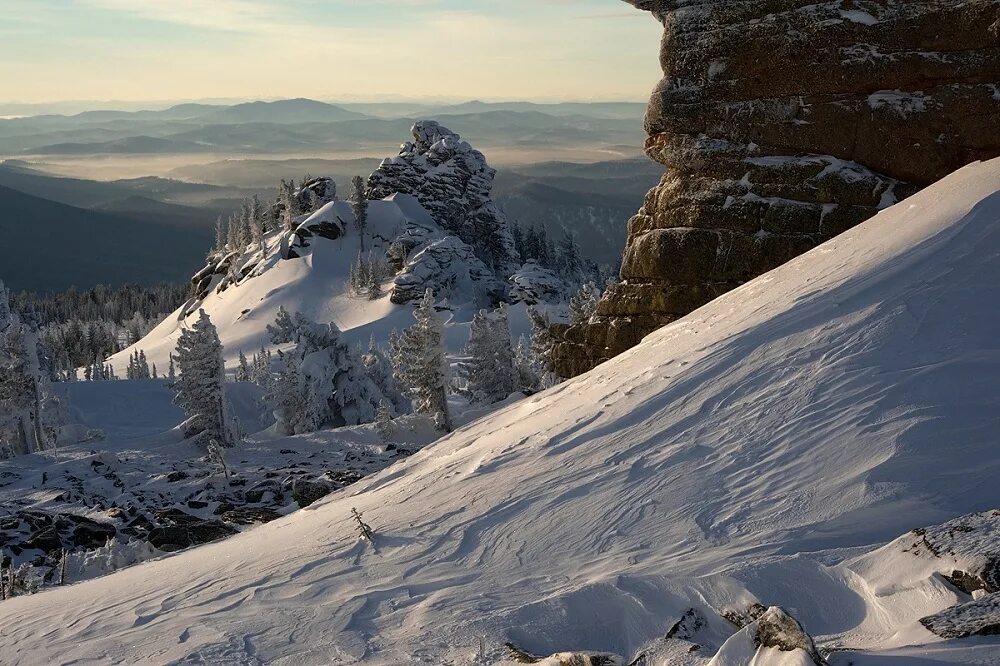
(170, 538)
(774, 631)
(448, 267)
(782, 123)
(305, 492)
(248, 515)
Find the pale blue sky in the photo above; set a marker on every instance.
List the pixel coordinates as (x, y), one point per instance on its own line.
(334, 49)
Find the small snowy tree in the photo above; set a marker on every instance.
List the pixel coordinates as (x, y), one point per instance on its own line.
(283, 328)
(217, 456)
(260, 369)
(420, 364)
(200, 388)
(379, 368)
(289, 397)
(542, 346)
(374, 287)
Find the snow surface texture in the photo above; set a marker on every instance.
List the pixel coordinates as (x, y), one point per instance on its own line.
(749, 453)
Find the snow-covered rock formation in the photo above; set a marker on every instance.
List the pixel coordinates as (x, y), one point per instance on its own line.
(782, 124)
(532, 284)
(750, 453)
(454, 183)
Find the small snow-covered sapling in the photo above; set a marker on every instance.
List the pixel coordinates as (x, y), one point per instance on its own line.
(363, 527)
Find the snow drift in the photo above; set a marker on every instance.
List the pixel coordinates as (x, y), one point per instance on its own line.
(749, 453)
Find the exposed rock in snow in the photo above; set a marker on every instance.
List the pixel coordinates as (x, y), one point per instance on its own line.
(885, 88)
(979, 617)
(773, 638)
(449, 268)
(533, 284)
(326, 222)
(569, 659)
(965, 550)
(453, 182)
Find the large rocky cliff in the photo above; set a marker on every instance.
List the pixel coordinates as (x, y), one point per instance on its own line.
(783, 123)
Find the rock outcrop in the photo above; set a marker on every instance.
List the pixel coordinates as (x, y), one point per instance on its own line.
(454, 183)
(783, 123)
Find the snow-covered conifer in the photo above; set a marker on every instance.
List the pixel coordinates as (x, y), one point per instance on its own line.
(23, 387)
(283, 328)
(490, 371)
(359, 204)
(374, 287)
(383, 420)
(200, 387)
(420, 364)
(243, 371)
(322, 383)
(380, 370)
(583, 304)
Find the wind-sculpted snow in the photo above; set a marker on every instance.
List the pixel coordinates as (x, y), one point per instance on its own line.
(749, 454)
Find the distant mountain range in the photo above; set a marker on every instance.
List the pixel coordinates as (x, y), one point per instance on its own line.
(300, 125)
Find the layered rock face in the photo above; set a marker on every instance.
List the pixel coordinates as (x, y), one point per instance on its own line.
(783, 123)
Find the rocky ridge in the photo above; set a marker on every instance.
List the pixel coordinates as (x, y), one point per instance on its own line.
(783, 123)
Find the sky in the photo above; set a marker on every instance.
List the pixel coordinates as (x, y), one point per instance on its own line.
(353, 50)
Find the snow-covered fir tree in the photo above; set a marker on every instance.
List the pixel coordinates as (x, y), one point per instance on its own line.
(289, 398)
(570, 261)
(260, 369)
(374, 287)
(322, 383)
(383, 421)
(283, 328)
(420, 364)
(379, 368)
(200, 387)
(583, 304)
(23, 386)
(490, 371)
(243, 370)
(359, 204)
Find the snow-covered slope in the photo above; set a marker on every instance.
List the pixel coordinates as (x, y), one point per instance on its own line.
(317, 284)
(752, 451)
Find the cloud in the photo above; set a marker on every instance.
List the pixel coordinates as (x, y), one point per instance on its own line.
(240, 16)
